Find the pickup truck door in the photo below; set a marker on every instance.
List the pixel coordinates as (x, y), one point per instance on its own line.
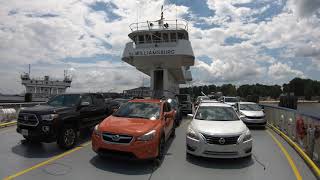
(100, 108)
(86, 112)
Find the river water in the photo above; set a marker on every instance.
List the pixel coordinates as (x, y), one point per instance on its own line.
(312, 109)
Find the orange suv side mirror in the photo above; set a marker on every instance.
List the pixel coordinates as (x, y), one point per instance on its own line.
(168, 114)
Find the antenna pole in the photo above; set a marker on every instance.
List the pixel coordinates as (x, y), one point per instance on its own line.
(29, 69)
(176, 10)
(137, 1)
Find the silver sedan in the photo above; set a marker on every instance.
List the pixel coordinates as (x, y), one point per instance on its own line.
(216, 131)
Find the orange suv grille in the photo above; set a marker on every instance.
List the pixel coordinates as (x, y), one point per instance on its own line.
(117, 138)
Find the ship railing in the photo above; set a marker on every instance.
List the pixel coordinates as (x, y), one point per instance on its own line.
(14, 109)
(301, 128)
(156, 94)
(158, 25)
(17, 106)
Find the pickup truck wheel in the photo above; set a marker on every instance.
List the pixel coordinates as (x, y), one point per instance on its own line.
(67, 138)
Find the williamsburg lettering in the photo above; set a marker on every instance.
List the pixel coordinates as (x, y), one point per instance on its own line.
(152, 52)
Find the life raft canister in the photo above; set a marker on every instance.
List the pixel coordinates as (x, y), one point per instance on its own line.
(300, 129)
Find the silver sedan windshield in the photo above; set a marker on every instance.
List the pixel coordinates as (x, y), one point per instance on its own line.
(213, 113)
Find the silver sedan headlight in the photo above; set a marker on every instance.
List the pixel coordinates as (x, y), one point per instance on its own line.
(49, 117)
(246, 136)
(192, 134)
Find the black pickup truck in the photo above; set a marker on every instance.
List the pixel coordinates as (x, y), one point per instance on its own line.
(62, 118)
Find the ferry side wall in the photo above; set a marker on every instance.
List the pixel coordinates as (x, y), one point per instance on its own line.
(303, 129)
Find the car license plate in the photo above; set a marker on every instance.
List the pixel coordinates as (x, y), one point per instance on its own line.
(24, 132)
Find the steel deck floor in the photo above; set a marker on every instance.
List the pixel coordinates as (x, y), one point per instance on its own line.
(267, 162)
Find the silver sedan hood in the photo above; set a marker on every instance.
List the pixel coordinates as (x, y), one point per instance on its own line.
(223, 128)
(252, 113)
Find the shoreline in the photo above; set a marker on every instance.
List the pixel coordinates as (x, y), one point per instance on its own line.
(299, 101)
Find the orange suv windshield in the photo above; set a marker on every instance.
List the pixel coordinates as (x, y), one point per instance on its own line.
(139, 110)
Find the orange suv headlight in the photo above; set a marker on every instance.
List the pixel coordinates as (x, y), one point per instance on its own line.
(148, 136)
(96, 130)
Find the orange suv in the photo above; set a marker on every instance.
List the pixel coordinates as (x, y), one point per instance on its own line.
(139, 129)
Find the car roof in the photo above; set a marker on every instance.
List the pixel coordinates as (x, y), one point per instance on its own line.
(146, 100)
(247, 103)
(79, 93)
(215, 104)
(209, 101)
(203, 97)
(229, 96)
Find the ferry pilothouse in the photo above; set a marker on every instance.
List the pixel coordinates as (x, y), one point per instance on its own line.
(162, 50)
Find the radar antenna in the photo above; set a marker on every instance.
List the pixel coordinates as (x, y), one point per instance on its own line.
(161, 20)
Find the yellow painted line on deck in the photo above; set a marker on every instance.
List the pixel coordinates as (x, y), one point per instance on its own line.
(306, 158)
(47, 161)
(8, 124)
(287, 155)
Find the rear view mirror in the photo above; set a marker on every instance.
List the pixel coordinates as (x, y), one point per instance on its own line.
(168, 115)
(190, 115)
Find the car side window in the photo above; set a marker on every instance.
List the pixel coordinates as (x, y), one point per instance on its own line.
(167, 107)
(98, 99)
(86, 98)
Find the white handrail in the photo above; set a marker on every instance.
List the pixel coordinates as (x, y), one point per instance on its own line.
(154, 25)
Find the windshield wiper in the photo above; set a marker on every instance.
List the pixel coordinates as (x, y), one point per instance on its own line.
(117, 115)
(138, 117)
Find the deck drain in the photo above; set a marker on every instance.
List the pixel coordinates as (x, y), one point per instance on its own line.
(57, 169)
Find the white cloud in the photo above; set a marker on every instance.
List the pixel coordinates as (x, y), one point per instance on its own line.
(44, 33)
(220, 71)
(226, 8)
(279, 71)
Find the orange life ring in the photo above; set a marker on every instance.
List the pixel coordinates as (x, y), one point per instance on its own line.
(300, 129)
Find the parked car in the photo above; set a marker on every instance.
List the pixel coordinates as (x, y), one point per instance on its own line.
(209, 101)
(200, 99)
(178, 115)
(185, 103)
(229, 100)
(114, 104)
(139, 129)
(216, 131)
(61, 118)
(251, 114)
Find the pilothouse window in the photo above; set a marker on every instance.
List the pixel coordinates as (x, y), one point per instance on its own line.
(156, 37)
(173, 37)
(134, 38)
(165, 37)
(141, 39)
(181, 36)
(148, 38)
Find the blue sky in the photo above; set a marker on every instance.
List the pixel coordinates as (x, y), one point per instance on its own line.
(234, 41)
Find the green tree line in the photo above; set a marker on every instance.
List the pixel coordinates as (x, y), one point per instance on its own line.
(298, 86)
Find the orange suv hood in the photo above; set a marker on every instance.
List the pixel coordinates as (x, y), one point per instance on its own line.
(130, 126)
